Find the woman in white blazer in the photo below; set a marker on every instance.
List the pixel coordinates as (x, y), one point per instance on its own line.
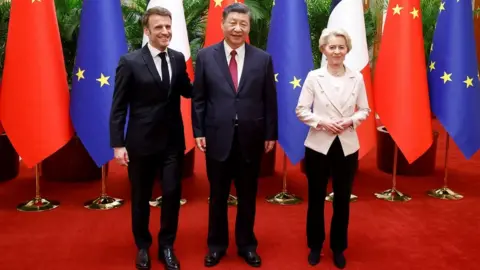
(333, 102)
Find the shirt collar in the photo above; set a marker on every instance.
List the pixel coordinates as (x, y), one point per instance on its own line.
(154, 51)
(240, 50)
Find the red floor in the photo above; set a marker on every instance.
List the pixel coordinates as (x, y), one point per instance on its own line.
(424, 233)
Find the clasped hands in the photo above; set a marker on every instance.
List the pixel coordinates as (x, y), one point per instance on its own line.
(336, 126)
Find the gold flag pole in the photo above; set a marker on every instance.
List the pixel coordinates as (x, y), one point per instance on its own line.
(393, 195)
(37, 204)
(103, 202)
(445, 193)
(284, 198)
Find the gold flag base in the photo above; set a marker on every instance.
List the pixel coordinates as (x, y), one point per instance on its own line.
(158, 202)
(103, 202)
(283, 198)
(38, 204)
(329, 197)
(232, 200)
(445, 194)
(393, 195)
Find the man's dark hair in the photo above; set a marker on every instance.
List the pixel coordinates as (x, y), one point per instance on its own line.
(155, 11)
(236, 7)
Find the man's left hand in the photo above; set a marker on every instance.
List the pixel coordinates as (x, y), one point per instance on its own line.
(269, 146)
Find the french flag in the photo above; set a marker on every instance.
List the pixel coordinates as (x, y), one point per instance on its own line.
(349, 16)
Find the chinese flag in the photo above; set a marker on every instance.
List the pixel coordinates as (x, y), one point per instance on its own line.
(400, 82)
(34, 102)
(213, 31)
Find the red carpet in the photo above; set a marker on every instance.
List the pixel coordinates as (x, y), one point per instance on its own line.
(424, 233)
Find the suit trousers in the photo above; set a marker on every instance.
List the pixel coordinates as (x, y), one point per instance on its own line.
(319, 168)
(142, 170)
(245, 176)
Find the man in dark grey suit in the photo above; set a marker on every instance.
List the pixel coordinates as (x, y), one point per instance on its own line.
(149, 81)
(234, 116)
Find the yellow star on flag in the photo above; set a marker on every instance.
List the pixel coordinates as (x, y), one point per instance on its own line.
(469, 82)
(80, 74)
(414, 13)
(276, 77)
(446, 77)
(397, 9)
(218, 3)
(296, 82)
(432, 65)
(442, 6)
(103, 80)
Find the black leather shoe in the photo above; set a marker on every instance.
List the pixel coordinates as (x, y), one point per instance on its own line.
(213, 258)
(143, 259)
(168, 258)
(251, 258)
(339, 260)
(314, 257)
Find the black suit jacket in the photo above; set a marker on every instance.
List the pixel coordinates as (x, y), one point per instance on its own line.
(155, 119)
(215, 102)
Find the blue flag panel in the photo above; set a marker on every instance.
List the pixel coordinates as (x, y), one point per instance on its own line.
(292, 60)
(100, 44)
(453, 75)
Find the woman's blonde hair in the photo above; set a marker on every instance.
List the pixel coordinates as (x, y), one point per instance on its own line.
(327, 33)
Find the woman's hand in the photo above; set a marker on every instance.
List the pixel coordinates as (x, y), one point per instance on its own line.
(332, 126)
(345, 122)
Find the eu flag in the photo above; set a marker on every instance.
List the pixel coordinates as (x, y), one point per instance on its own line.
(100, 44)
(292, 60)
(453, 75)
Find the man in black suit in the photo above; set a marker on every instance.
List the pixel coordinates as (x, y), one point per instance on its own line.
(149, 82)
(234, 116)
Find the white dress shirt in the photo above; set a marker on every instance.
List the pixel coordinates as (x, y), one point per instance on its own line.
(240, 58)
(158, 61)
(325, 98)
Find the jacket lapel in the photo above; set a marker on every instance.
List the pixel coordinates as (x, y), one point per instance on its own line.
(148, 59)
(222, 64)
(247, 64)
(326, 89)
(173, 65)
(349, 88)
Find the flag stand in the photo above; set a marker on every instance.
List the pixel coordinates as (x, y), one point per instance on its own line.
(329, 197)
(103, 202)
(232, 200)
(158, 202)
(445, 193)
(393, 195)
(37, 204)
(284, 198)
